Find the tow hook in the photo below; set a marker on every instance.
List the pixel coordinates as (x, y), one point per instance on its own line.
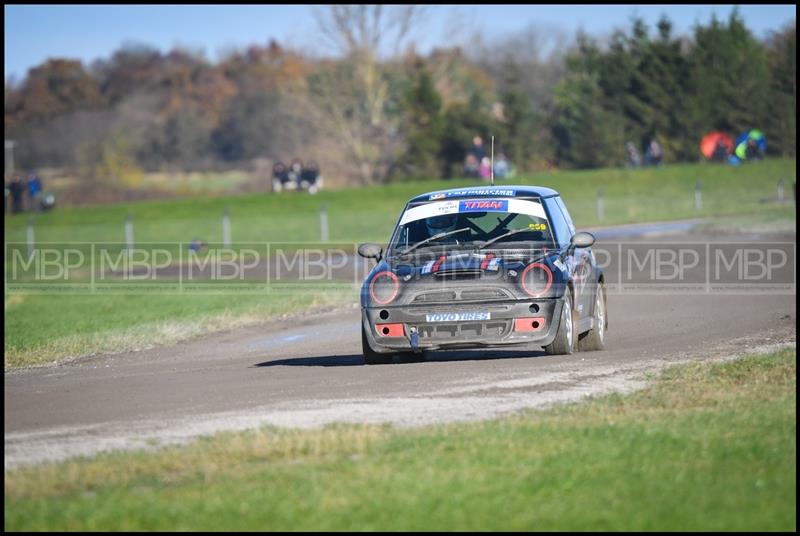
(414, 340)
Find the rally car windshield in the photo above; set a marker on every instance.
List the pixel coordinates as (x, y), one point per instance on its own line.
(480, 221)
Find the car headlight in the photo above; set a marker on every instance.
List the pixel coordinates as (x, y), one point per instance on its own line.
(383, 287)
(536, 279)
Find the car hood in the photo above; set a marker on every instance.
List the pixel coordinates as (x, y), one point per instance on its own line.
(441, 278)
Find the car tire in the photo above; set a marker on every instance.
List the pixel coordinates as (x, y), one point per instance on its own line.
(564, 343)
(595, 338)
(371, 357)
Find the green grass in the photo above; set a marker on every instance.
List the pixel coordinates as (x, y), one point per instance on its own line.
(706, 448)
(41, 328)
(195, 182)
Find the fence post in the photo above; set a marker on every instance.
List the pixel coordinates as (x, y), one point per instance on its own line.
(600, 208)
(129, 232)
(31, 243)
(780, 190)
(323, 223)
(10, 156)
(226, 228)
(698, 195)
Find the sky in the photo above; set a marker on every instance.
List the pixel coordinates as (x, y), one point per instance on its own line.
(34, 33)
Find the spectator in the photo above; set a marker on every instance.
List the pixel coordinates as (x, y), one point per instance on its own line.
(477, 148)
(16, 189)
(634, 160)
(752, 151)
(310, 178)
(295, 173)
(34, 185)
(471, 165)
(501, 166)
(654, 153)
(280, 176)
(720, 153)
(485, 170)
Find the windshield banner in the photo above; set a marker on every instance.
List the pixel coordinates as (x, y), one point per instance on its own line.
(517, 206)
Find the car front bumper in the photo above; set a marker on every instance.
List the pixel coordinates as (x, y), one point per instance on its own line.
(509, 323)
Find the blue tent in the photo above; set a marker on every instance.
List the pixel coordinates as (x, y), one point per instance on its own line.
(742, 142)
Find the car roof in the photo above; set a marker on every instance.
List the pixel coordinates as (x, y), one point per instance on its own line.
(505, 190)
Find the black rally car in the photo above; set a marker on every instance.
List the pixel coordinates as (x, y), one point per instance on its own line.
(483, 267)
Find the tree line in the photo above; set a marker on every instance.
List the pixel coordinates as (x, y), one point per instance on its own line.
(374, 119)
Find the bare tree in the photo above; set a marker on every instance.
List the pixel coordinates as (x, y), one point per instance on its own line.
(367, 29)
(351, 97)
(537, 52)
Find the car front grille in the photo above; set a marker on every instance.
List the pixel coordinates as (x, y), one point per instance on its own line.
(436, 297)
(457, 295)
(484, 294)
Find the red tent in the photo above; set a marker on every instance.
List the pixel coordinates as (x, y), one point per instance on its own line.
(713, 139)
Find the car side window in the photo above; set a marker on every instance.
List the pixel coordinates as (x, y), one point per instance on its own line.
(567, 217)
(559, 223)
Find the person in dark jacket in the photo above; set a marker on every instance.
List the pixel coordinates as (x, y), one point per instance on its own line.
(17, 190)
(310, 178)
(280, 176)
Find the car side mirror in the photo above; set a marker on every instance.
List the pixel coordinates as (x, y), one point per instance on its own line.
(370, 251)
(582, 240)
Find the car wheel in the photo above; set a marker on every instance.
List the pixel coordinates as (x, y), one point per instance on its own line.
(371, 357)
(564, 343)
(595, 338)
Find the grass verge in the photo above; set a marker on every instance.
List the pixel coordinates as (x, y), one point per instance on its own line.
(41, 328)
(706, 447)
